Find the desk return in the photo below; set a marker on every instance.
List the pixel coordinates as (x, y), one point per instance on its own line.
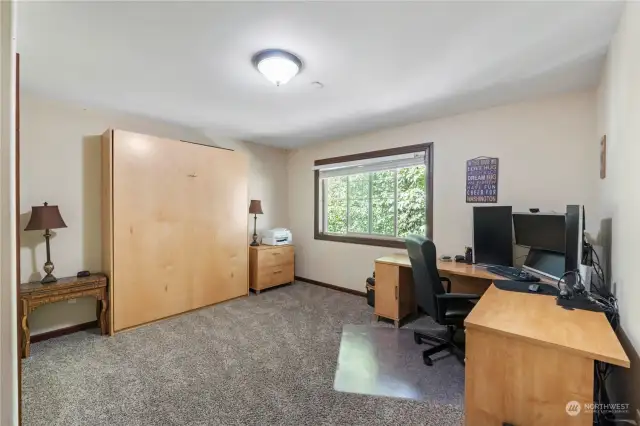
(526, 357)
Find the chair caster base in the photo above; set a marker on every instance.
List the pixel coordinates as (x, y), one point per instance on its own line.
(427, 360)
(417, 339)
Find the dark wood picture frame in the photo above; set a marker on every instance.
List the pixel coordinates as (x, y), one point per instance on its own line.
(603, 157)
(18, 231)
(372, 241)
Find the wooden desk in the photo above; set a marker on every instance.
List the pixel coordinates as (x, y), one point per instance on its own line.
(454, 268)
(526, 357)
(36, 294)
(394, 284)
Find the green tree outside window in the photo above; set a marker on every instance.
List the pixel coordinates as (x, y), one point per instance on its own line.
(389, 203)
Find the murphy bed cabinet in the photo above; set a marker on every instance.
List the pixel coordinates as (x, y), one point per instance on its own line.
(174, 218)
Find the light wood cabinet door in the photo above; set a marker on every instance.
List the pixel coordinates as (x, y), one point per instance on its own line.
(151, 239)
(218, 192)
(387, 291)
(511, 380)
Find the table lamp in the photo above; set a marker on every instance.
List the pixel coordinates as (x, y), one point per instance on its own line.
(255, 208)
(45, 218)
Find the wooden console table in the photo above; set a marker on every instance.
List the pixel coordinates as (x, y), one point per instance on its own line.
(35, 294)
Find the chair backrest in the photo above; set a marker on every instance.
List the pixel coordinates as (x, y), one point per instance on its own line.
(422, 253)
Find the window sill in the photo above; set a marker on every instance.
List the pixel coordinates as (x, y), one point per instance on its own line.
(372, 241)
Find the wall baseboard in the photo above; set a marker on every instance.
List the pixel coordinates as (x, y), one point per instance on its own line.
(332, 287)
(64, 331)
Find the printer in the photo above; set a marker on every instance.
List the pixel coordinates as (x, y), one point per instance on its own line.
(277, 237)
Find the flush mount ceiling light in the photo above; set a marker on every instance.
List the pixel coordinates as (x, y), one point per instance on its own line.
(278, 66)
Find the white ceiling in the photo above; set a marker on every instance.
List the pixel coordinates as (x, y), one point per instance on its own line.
(382, 64)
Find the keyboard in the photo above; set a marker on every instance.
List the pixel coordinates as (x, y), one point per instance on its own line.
(511, 273)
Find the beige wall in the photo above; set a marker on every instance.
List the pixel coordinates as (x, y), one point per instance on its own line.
(619, 119)
(61, 164)
(8, 326)
(547, 159)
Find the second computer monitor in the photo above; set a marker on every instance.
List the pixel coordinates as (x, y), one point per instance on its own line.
(544, 231)
(546, 235)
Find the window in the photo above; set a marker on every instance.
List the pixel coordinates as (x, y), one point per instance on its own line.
(375, 198)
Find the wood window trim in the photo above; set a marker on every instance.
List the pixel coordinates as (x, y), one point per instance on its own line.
(373, 241)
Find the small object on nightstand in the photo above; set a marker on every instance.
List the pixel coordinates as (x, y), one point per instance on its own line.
(445, 258)
(255, 208)
(534, 288)
(459, 258)
(83, 274)
(277, 237)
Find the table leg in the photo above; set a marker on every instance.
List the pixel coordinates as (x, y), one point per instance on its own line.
(396, 324)
(26, 340)
(102, 318)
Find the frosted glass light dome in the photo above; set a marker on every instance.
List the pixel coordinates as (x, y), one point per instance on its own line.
(278, 66)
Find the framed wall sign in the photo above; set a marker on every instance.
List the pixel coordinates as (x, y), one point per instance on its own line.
(482, 180)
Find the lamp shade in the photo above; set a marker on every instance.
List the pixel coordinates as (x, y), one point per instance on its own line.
(45, 217)
(255, 207)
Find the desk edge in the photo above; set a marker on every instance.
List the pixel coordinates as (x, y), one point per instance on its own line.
(596, 357)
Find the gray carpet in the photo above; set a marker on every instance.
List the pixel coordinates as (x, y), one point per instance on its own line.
(261, 360)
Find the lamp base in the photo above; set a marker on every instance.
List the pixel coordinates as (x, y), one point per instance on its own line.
(48, 269)
(255, 241)
(48, 279)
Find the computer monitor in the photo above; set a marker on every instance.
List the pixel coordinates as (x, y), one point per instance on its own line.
(544, 231)
(493, 235)
(545, 262)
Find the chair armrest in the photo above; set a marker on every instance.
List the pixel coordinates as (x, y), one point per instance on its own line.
(448, 283)
(443, 301)
(451, 296)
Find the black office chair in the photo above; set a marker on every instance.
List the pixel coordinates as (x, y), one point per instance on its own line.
(445, 308)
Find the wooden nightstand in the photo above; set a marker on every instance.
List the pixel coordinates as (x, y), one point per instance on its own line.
(35, 294)
(270, 266)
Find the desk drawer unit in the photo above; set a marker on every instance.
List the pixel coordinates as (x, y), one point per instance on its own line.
(270, 266)
(394, 293)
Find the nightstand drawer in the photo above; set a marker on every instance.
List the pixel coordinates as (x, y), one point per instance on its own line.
(274, 275)
(276, 256)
